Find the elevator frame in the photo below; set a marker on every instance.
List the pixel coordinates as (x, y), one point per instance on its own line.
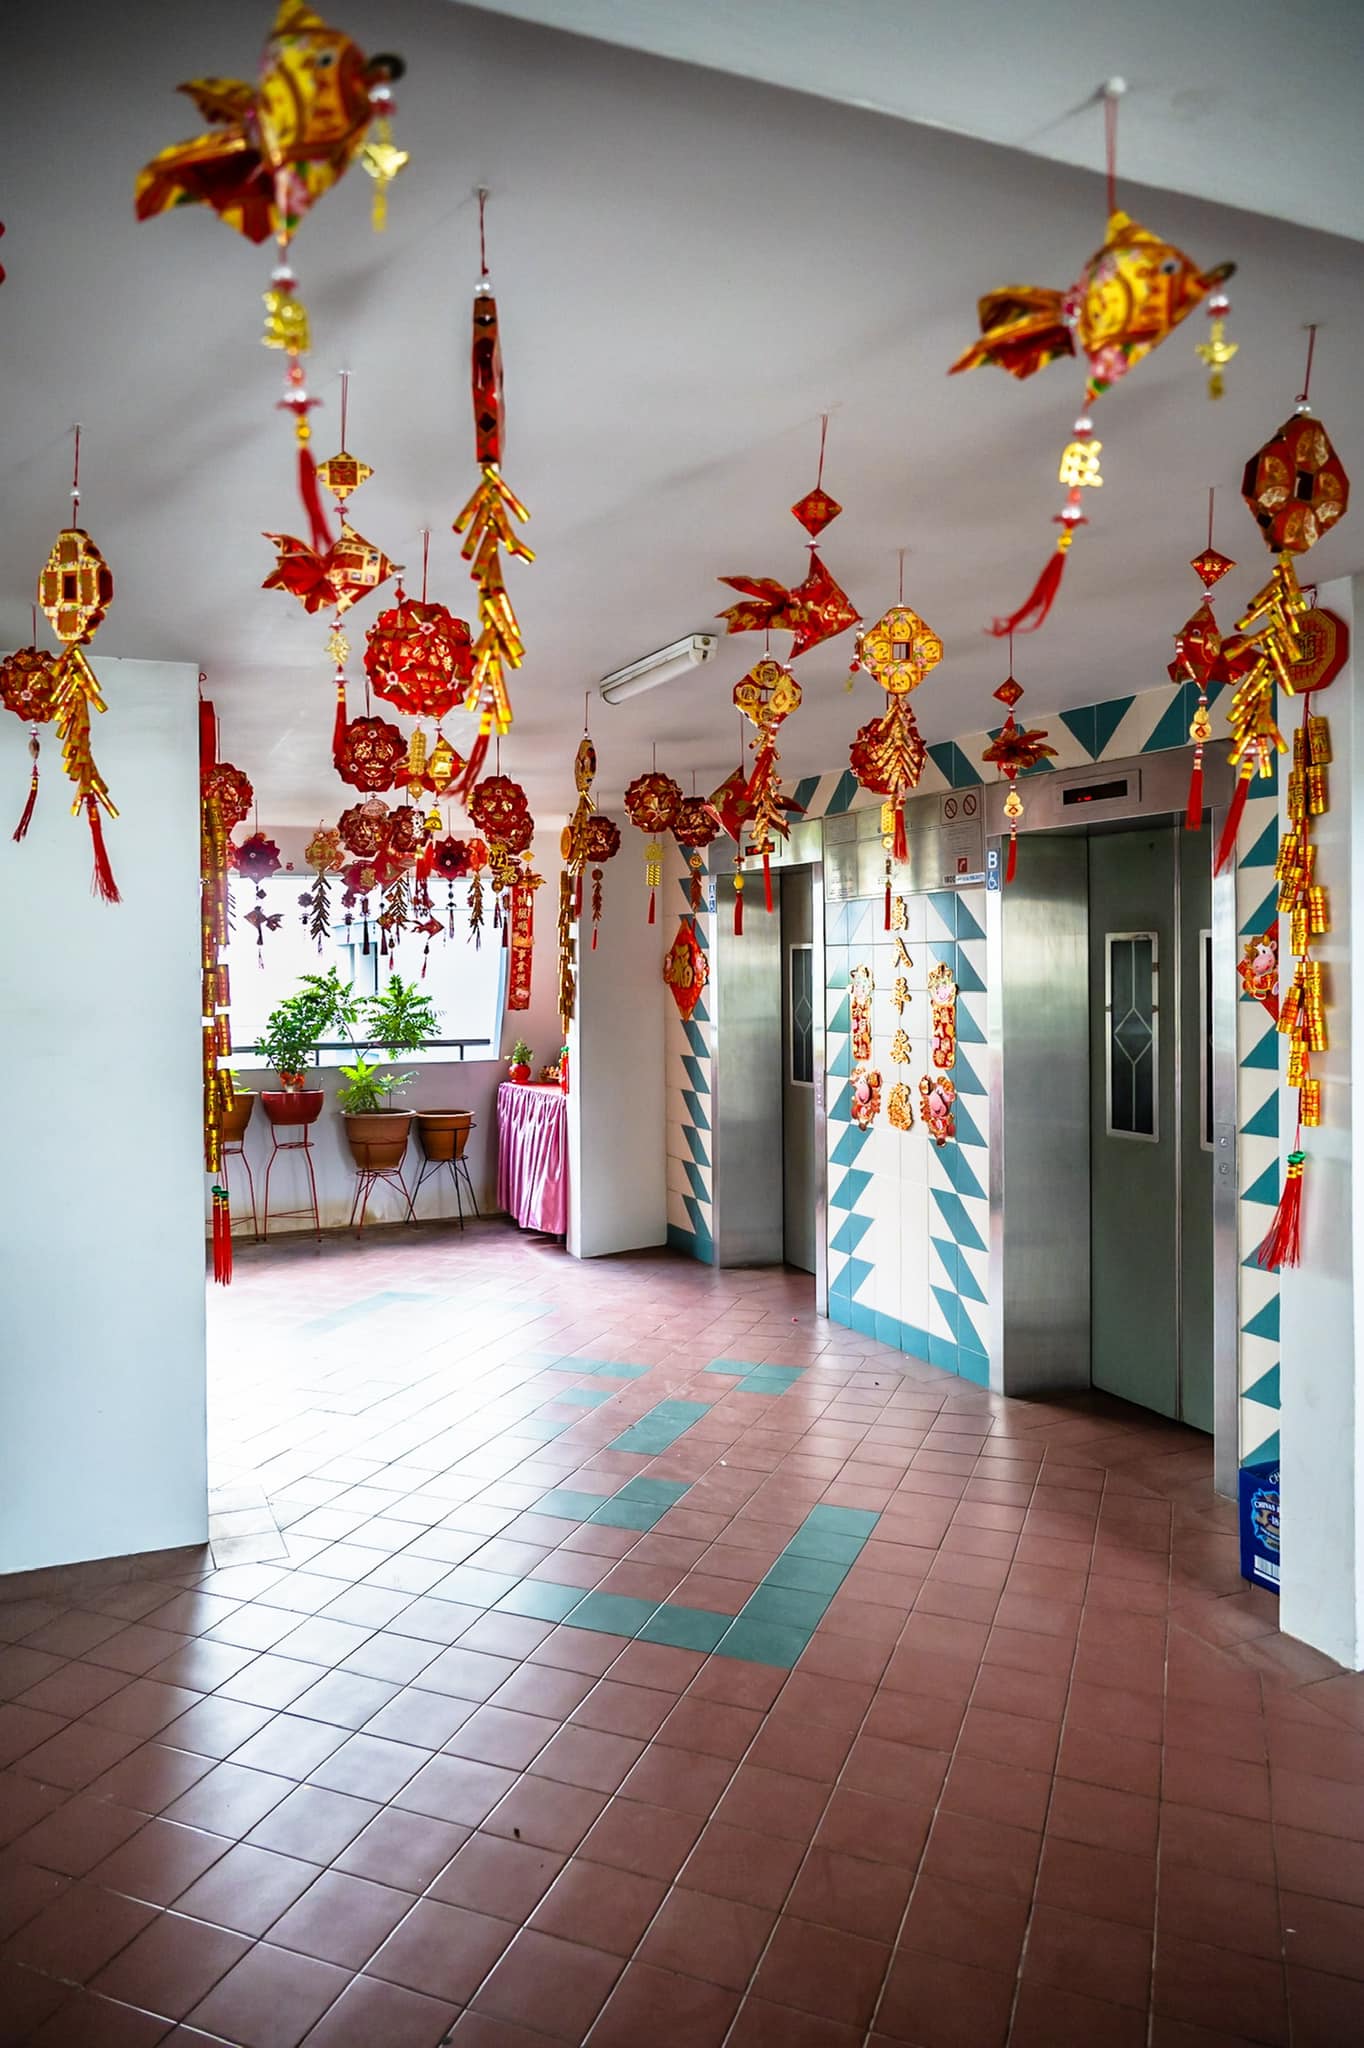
(1040, 1339)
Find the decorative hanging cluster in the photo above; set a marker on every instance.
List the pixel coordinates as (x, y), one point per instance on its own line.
(1199, 659)
(813, 610)
(574, 848)
(221, 789)
(486, 523)
(767, 696)
(1131, 295)
(887, 754)
(652, 803)
(1014, 750)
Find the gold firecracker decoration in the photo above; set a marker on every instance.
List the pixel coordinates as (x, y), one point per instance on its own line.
(216, 1024)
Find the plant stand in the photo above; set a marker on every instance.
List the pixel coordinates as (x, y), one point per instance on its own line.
(305, 1146)
(366, 1180)
(459, 1173)
(238, 1151)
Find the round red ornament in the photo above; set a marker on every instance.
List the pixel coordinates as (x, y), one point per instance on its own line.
(419, 657)
(499, 808)
(652, 802)
(323, 851)
(406, 831)
(232, 791)
(371, 754)
(363, 828)
(1296, 486)
(696, 823)
(603, 838)
(27, 682)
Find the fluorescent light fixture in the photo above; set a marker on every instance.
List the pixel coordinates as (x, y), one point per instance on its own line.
(652, 669)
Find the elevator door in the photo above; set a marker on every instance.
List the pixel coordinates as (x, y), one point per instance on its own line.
(1151, 1172)
(798, 1073)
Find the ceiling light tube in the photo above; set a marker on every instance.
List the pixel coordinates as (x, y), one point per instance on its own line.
(661, 667)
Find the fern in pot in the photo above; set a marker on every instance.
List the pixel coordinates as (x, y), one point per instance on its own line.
(398, 1020)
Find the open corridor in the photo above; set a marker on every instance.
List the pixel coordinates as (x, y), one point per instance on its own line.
(619, 1653)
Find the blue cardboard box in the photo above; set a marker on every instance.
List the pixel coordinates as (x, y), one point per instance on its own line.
(1260, 1525)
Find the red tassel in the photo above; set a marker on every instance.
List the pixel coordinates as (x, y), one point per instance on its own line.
(312, 500)
(1039, 600)
(21, 829)
(887, 919)
(738, 912)
(767, 883)
(1283, 1244)
(339, 722)
(901, 841)
(473, 767)
(222, 1237)
(1011, 864)
(1193, 816)
(102, 884)
(1226, 845)
(652, 908)
(594, 938)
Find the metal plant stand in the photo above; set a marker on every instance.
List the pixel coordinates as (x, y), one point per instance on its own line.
(305, 1146)
(238, 1151)
(367, 1179)
(459, 1173)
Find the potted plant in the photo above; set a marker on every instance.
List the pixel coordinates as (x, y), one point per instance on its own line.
(322, 1006)
(397, 1020)
(521, 1059)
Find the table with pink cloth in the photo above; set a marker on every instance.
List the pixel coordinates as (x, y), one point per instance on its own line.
(532, 1155)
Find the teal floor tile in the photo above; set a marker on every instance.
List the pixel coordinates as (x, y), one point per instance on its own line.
(645, 1442)
(661, 1427)
(667, 1492)
(541, 1599)
(538, 1429)
(807, 1574)
(842, 1521)
(607, 1368)
(586, 1397)
(785, 1604)
(568, 1505)
(735, 1366)
(629, 1514)
(474, 1588)
(685, 1628)
(763, 1642)
(826, 1544)
(615, 1614)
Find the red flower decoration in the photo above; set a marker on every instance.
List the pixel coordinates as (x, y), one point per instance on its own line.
(603, 839)
(371, 754)
(419, 657)
(450, 858)
(364, 828)
(499, 808)
(257, 858)
(26, 685)
(232, 791)
(652, 802)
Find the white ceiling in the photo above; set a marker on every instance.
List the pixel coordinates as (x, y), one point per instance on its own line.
(690, 268)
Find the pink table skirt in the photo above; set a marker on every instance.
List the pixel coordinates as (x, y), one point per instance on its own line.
(532, 1155)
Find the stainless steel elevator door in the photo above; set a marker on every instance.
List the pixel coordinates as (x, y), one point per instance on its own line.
(797, 1055)
(1151, 1172)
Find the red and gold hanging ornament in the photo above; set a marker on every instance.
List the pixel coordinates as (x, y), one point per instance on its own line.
(574, 850)
(942, 999)
(813, 610)
(1258, 967)
(861, 988)
(478, 860)
(75, 589)
(887, 755)
(371, 754)
(28, 688)
(325, 856)
(696, 826)
(686, 969)
(486, 523)
(1199, 660)
(603, 844)
(1132, 294)
(865, 1103)
(937, 1099)
(766, 696)
(257, 858)
(419, 656)
(216, 1024)
(363, 828)
(521, 935)
(1014, 750)
(232, 791)
(273, 150)
(1295, 489)
(652, 802)
(499, 808)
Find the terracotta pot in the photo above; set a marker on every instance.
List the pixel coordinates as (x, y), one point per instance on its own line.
(519, 1074)
(377, 1137)
(293, 1105)
(239, 1116)
(444, 1132)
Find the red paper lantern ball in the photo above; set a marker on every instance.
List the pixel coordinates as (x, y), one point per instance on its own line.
(406, 831)
(230, 789)
(364, 828)
(27, 684)
(652, 802)
(499, 808)
(419, 657)
(696, 823)
(371, 754)
(603, 838)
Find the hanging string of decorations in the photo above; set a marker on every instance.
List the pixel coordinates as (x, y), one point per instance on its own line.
(1296, 489)
(28, 689)
(573, 850)
(273, 150)
(887, 754)
(813, 610)
(603, 844)
(325, 855)
(1130, 296)
(1199, 659)
(221, 791)
(1015, 750)
(652, 802)
(766, 696)
(486, 524)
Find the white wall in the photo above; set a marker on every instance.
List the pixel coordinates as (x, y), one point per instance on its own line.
(102, 1416)
(617, 1125)
(1322, 1300)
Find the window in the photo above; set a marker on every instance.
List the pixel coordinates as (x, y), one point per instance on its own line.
(1131, 1034)
(467, 983)
(802, 1014)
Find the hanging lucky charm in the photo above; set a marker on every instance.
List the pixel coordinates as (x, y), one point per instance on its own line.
(486, 524)
(28, 688)
(75, 589)
(695, 827)
(419, 657)
(1199, 660)
(1131, 295)
(216, 1030)
(767, 695)
(603, 844)
(813, 610)
(574, 848)
(887, 755)
(325, 856)
(652, 802)
(1014, 750)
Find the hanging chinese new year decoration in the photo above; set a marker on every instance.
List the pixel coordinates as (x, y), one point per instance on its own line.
(603, 844)
(937, 1098)
(1199, 660)
(232, 791)
(1302, 1008)
(767, 695)
(325, 855)
(216, 1025)
(521, 936)
(942, 997)
(257, 858)
(499, 808)
(28, 688)
(865, 1105)
(652, 802)
(1296, 489)
(75, 589)
(1131, 295)
(887, 755)
(419, 657)
(574, 849)
(812, 610)
(1259, 963)
(370, 754)
(274, 148)
(1014, 750)
(696, 826)
(862, 986)
(686, 969)
(486, 523)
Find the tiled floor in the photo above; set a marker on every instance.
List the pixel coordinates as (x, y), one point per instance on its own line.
(619, 1654)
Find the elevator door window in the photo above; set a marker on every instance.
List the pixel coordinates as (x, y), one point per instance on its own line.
(798, 1070)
